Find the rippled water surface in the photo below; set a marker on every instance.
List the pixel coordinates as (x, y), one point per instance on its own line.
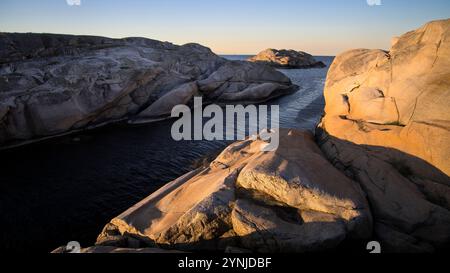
(69, 188)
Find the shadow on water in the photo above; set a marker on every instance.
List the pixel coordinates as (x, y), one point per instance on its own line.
(68, 188)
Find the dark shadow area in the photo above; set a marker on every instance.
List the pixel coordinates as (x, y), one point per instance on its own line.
(239, 244)
(412, 174)
(406, 164)
(68, 188)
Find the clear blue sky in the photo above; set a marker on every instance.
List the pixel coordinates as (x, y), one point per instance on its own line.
(321, 27)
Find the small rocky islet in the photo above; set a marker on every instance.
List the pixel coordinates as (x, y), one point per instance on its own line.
(376, 167)
(287, 59)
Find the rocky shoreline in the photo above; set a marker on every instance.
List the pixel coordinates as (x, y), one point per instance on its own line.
(367, 186)
(376, 168)
(53, 85)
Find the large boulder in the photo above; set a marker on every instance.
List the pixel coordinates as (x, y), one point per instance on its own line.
(56, 84)
(286, 59)
(387, 125)
(288, 200)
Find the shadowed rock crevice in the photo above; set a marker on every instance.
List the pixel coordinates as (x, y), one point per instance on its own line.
(409, 198)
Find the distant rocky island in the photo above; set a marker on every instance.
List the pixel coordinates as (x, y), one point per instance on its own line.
(289, 59)
(52, 85)
(376, 169)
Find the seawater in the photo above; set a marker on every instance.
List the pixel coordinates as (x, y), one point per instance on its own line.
(69, 188)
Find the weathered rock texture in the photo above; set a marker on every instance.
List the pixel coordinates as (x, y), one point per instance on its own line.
(286, 59)
(55, 84)
(387, 125)
(291, 200)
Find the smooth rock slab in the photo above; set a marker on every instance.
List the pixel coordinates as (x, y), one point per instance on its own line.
(222, 206)
(298, 175)
(262, 230)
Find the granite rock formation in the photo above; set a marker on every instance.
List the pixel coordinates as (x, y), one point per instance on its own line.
(56, 84)
(259, 201)
(286, 59)
(387, 126)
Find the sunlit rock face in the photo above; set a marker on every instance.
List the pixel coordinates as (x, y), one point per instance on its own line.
(387, 125)
(286, 59)
(290, 200)
(55, 84)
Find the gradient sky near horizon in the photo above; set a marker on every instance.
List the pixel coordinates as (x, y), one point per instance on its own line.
(321, 27)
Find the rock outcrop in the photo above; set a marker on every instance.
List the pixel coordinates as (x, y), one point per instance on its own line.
(286, 59)
(377, 168)
(259, 201)
(56, 84)
(387, 126)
